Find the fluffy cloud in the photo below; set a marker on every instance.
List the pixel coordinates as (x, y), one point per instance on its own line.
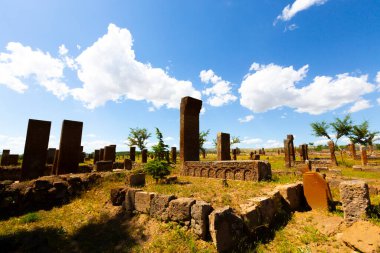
(378, 78)
(247, 118)
(260, 143)
(22, 62)
(15, 144)
(378, 101)
(109, 71)
(272, 86)
(360, 105)
(220, 93)
(299, 5)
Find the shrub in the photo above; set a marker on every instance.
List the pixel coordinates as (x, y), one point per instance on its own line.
(158, 169)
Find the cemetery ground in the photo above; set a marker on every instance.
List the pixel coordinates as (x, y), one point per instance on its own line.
(90, 223)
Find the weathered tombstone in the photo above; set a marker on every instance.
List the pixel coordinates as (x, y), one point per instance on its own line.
(289, 151)
(13, 159)
(234, 153)
(189, 129)
(251, 156)
(174, 155)
(104, 166)
(50, 155)
(263, 151)
(55, 162)
(332, 153)
(144, 155)
(132, 153)
(69, 146)
(4, 157)
(96, 155)
(355, 200)
(363, 152)
(304, 152)
(256, 157)
(353, 150)
(35, 151)
(316, 191)
(109, 153)
(223, 146)
(80, 155)
(127, 164)
(101, 154)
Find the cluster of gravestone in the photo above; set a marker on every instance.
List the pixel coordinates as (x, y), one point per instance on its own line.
(224, 167)
(38, 160)
(258, 219)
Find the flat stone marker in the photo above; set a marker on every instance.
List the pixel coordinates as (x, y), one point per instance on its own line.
(69, 147)
(316, 191)
(355, 200)
(189, 129)
(223, 147)
(132, 153)
(35, 151)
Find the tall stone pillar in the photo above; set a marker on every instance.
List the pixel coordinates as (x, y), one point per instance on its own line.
(353, 149)
(189, 129)
(96, 155)
(144, 155)
(174, 154)
(110, 153)
(35, 151)
(332, 153)
(69, 146)
(363, 152)
(101, 154)
(223, 146)
(132, 153)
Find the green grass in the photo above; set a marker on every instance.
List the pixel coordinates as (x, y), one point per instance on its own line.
(29, 218)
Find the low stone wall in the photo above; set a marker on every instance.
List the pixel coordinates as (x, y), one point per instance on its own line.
(259, 216)
(248, 170)
(42, 193)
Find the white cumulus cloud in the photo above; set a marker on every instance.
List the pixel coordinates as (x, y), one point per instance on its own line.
(360, 105)
(298, 5)
(220, 93)
(247, 118)
(273, 86)
(110, 71)
(22, 62)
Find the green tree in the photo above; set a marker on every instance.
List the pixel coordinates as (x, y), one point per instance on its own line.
(202, 140)
(362, 135)
(158, 168)
(138, 137)
(340, 127)
(234, 140)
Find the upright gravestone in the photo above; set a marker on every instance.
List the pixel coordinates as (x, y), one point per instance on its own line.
(96, 155)
(189, 129)
(4, 157)
(69, 147)
(332, 153)
(35, 151)
(223, 146)
(289, 151)
(353, 150)
(101, 154)
(50, 155)
(234, 154)
(144, 155)
(174, 155)
(110, 153)
(363, 152)
(55, 162)
(304, 152)
(132, 153)
(81, 155)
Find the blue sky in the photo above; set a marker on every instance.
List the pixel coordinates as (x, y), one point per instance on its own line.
(264, 69)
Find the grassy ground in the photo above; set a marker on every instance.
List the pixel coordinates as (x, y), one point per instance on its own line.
(91, 224)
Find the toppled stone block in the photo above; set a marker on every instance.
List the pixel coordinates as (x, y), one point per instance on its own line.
(180, 209)
(199, 218)
(293, 195)
(118, 196)
(226, 229)
(159, 205)
(104, 166)
(355, 200)
(143, 201)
